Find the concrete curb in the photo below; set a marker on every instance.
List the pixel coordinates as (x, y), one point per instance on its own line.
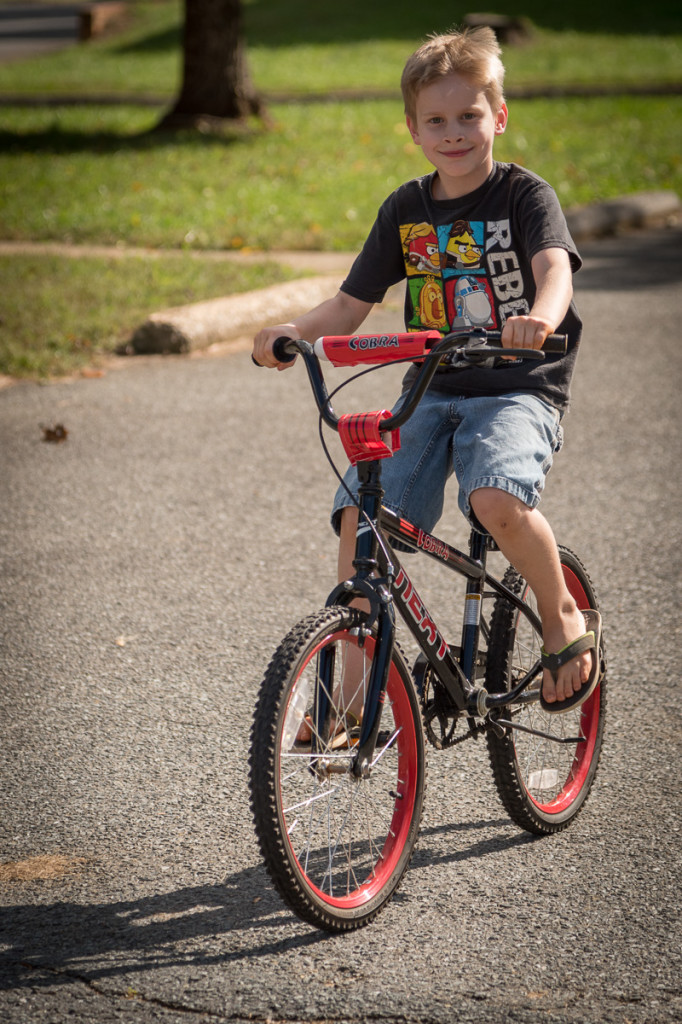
(642, 210)
(202, 324)
(198, 326)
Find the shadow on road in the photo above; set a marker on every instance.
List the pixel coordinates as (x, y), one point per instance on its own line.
(424, 856)
(73, 940)
(95, 941)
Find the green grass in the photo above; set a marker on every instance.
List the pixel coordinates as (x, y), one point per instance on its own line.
(59, 315)
(94, 174)
(314, 181)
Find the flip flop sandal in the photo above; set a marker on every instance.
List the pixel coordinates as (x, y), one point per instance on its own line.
(341, 738)
(589, 641)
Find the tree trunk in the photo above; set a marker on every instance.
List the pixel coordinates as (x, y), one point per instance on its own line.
(216, 85)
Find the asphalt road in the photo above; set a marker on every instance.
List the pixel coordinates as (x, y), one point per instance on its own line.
(32, 29)
(151, 562)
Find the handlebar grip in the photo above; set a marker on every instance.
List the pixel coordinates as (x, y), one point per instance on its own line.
(556, 344)
(282, 350)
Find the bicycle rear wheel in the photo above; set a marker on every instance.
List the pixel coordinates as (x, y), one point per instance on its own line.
(543, 783)
(336, 846)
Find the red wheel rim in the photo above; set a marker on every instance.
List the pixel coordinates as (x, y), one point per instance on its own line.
(408, 770)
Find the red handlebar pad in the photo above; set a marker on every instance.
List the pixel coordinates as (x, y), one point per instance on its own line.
(351, 350)
(362, 439)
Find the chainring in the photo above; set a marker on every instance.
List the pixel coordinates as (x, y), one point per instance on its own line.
(440, 717)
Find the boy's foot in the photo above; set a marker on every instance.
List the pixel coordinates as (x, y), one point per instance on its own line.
(344, 732)
(572, 673)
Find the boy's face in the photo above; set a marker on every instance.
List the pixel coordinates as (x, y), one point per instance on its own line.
(455, 126)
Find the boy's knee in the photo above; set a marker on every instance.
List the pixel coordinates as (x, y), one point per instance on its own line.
(496, 510)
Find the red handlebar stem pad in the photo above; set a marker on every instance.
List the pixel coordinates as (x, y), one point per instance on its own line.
(359, 432)
(351, 350)
(362, 439)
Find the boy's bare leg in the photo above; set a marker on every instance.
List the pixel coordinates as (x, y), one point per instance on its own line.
(525, 538)
(354, 657)
(347, 532)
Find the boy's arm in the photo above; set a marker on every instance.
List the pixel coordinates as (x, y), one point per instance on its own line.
(554, 291)
(340, 315)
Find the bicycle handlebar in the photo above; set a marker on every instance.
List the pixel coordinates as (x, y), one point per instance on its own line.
(456, 351)
(344, 350)
(351, 350)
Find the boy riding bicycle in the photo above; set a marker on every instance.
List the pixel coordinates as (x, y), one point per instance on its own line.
(480, 244)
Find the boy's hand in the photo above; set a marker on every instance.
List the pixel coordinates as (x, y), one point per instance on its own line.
(554, 289)
(265, 339)
(525, 332)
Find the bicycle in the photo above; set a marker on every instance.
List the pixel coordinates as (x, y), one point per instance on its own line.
(337, 796)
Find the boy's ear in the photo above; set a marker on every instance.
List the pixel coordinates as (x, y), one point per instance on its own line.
(501, 119)
(411, 127)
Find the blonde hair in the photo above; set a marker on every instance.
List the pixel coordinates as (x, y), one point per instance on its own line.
(471, 52)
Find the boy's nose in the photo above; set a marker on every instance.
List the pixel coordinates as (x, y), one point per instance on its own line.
(453, 133)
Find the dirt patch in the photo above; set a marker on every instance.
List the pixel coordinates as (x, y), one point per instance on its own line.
(45, 867)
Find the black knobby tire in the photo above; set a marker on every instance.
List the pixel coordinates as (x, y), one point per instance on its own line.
(336, 846)
(542, 784)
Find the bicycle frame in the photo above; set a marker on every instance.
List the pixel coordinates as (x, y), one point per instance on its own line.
(385, 583)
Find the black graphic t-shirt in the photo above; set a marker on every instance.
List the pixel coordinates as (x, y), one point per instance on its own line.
(467, 263)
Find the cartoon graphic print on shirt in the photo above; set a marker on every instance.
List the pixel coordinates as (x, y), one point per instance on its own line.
(428, 304)
(463, 250)
(462, 274)
(420, 246)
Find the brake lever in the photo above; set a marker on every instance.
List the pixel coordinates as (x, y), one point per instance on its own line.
(489, 356)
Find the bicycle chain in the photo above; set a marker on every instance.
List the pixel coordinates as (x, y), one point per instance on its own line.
(473, 734)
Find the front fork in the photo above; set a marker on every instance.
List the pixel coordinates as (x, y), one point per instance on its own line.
(381, 611)
(378, 680)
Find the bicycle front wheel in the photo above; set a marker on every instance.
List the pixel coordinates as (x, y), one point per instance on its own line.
(542, 782)
(336, 846)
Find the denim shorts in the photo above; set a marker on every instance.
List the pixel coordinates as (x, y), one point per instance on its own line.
(503, 441)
